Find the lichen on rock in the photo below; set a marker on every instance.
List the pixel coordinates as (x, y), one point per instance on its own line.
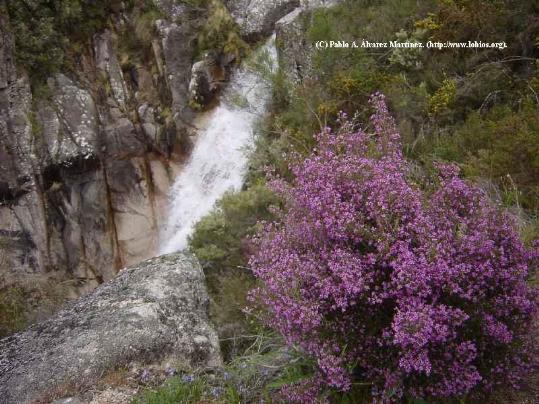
(153, 312)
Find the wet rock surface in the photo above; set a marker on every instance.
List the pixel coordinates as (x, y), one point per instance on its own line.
(154, 312)
(207, 78)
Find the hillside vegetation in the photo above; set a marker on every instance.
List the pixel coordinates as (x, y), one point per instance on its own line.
(384, 246)
(476, 108)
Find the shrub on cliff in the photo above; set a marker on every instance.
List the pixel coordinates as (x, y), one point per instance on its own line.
(419, 292)
(46, 32)
(12, 311)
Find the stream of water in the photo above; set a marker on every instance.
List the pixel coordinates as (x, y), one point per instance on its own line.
(218, 162)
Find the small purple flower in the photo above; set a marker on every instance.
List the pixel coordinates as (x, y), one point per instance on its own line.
(188, 378)
(216, 391)
(145, 376)
(169, 372)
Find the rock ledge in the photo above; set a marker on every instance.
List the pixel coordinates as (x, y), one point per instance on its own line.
(153, 312)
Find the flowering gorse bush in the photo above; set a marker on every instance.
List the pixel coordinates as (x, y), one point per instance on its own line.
(421, 292)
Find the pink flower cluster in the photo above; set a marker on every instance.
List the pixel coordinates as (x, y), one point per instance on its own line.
(421, 291)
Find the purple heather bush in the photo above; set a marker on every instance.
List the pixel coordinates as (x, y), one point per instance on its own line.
(420, 292)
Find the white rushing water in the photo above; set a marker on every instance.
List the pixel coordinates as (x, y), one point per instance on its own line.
(218, 162)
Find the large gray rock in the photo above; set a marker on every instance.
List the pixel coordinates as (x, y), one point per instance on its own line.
(207, 78)
(154, 312)
(257, 18)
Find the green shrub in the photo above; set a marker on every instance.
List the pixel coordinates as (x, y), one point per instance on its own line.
(135, 36)
(218, 238)
(45, 31)
(409, 57)
(13, 315)
(220, 32)
(253, 377)
(144, 25)
(219, 242)
(499, 145)
(25, 300)
(443, 98)
(174, 391)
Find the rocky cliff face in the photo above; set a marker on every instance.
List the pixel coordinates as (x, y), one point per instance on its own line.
(85, 168)
(86, 162)
(150, 314)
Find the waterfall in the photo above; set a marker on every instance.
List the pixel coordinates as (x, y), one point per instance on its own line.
(218, 162)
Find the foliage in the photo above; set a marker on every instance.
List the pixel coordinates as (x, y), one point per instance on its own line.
(408, 57)
(463, 20)
(220, 32)
(12, 311)
(251, 377)
(217, 239)
(218, 243)
(175, 390)
(443, 97)
(144, 25)
(415, 285)
(26, 299)
(45, 31)
(136, 34)
(498, 145)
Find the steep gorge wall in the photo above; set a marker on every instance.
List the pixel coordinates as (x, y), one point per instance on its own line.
(86, 165)
(85, 169)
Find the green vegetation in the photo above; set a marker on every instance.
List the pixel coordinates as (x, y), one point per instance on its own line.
(50, 35)
(27, 301)
(475, 107)
(135, 36)
(219, 32)
(220, 244)
(13, 315)
(176, 390)
(254, 377)
(500, 145)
